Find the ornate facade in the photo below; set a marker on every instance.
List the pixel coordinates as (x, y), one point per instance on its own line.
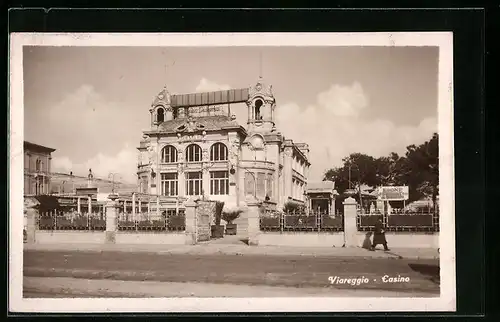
(196, 149)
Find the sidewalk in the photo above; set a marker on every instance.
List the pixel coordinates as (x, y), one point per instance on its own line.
(227, 249)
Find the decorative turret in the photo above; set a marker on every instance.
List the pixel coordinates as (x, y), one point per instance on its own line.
(261, 104)
(161, 109)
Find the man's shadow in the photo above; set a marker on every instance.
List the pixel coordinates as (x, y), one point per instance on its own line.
(367, 243)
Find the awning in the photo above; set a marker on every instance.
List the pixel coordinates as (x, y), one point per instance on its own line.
(47, 203)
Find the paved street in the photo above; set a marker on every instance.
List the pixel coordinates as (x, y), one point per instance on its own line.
(243, 269)
(64, 287)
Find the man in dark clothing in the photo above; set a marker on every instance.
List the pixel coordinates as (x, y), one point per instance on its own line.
(379, 236)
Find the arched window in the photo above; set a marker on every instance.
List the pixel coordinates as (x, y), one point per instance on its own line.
(218, 152)
(169, 154)
(258, 105)
(38, 165)
(160, 115)
(193, 153)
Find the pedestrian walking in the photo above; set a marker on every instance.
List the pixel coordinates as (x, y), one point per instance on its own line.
(379, 236)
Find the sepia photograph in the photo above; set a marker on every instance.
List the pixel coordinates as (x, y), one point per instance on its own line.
(231, 172)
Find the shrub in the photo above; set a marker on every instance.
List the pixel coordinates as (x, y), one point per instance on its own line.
(291, 206)
(230, 215)
(219, 206)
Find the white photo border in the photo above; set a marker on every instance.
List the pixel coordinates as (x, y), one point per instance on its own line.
(445, 302)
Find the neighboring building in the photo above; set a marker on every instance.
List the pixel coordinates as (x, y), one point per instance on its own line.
(195, 148)
(66, 183)
(82, 191)
(37, 168)
(321, 197)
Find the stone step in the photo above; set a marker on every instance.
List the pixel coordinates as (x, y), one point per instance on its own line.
(242, 226)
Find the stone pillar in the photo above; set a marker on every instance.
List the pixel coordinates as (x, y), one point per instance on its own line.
(31, 214)
(111, 219)
(140, 206)
(78, 205)
(181, 184)
(253, 216)
(350, 229)
(90, 205)
(206, 183)
(157, 206)
(133, 205)
(287, 173)
(190, 215)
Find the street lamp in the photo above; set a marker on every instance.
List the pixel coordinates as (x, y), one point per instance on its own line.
(350, 165)
(111, 176)
(72, 182)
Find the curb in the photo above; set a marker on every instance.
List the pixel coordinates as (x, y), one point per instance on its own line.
(166, 252)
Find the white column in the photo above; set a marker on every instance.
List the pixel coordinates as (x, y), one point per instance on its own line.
(133, 205)
(90, 205)
(78, 205)
(157, 206)
(31, 214)
(253, 221)
(287, 173)
(111, 220)
(190, 214)
(350, 229)
(181, 184)
(206, 182)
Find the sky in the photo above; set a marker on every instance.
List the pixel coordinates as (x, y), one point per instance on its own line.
(91, 104)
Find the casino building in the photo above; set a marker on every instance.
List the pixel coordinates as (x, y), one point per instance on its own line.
(195, 148)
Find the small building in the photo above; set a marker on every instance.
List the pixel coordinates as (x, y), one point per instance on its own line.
(321, 197)
(37, 168)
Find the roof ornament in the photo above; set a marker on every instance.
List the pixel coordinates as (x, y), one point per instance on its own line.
(190, 126)
(162, 98)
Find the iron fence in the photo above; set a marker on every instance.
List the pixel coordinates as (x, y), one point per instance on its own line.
(300, 222)
(71, 221)
(400, 221)
(169, 220)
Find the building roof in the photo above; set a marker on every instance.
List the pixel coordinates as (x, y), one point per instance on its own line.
(202, 123)
(210, 98)
(321, 187)
(34, 146)
(298, 148)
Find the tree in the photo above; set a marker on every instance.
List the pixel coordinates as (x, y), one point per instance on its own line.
(357, 169)
(418, 169)
(341, 177)
(421, 169)
(390, 170)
